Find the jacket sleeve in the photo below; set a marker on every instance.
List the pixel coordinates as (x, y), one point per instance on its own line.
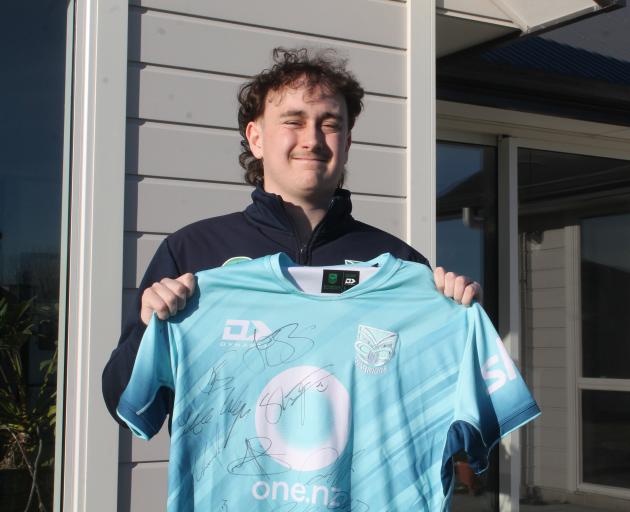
(118, 369)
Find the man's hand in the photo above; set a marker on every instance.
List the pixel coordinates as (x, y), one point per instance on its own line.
(167, 297)
(460, 288)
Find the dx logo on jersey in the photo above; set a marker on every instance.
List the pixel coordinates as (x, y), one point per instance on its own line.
(245, 330)
(492, 371)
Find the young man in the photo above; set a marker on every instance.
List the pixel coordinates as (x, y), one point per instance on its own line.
(296, 120)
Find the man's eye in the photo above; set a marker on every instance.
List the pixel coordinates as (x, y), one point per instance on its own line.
(292, 123)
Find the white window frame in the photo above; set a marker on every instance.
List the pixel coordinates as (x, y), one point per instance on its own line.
(579, 382)
(477, 124)
(94, 282)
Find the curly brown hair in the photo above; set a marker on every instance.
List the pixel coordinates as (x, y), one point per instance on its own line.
(322, 68)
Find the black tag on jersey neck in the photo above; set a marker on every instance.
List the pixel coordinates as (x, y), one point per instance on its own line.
(338, 281)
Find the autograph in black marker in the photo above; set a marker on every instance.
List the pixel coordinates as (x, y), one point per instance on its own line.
(278, 348)
(279, 400)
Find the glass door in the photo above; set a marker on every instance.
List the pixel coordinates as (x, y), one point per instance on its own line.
(32, 199)
(467, 244)
(574, 218)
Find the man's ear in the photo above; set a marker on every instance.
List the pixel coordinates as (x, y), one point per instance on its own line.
(348, 143)
(253, 132)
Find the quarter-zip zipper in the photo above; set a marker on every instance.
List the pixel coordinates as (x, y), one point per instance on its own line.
(303, 254)
(306, 250)
(300, 249)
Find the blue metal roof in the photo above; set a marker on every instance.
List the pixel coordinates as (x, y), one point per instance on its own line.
(553, 57)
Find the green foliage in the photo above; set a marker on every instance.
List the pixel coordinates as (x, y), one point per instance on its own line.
(27, 416)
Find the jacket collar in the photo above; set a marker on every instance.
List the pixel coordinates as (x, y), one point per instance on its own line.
(267, 210)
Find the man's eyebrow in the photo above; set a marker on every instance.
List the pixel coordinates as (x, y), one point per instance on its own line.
(301, 113)
(293, 113)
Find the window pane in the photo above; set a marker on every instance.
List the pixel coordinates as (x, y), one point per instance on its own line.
(31, 130)
(557, 189)
(606, 438)
(466, 210)
(606, 296)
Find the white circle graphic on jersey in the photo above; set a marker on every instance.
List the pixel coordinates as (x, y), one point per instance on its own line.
(304, 413)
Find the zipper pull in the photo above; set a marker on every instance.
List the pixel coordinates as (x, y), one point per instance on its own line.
(302, 254)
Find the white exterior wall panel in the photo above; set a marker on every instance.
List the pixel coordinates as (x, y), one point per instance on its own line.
(187, 60)
(545, 311)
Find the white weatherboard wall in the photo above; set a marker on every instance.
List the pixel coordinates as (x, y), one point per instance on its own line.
(545, 313)
(186, 62)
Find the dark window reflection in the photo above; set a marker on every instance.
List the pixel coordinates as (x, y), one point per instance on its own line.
(606, 437)
(467, 214)
(467, 244)
(606, 296)
(33, 39)
(556, 189)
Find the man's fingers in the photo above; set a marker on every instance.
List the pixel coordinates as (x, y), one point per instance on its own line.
(179, 290)
(459, 286)
(471, 292)
(188, 280)
(167, 297)
(171, 294)
(152, 301)
(449, 284)
(438, 277)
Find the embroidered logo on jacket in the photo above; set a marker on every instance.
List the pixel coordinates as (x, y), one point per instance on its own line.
(374, 348)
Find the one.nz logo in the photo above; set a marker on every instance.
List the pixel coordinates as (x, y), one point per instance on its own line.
(374, 348)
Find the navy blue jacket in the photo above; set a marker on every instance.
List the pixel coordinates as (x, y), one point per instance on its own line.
(263, 228)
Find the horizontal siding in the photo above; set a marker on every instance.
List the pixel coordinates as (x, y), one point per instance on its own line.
(547, 279)
(547, 298)
(196, 153)
(547, 337)
(549, 357)
(550, 477)
(187, 202)
(134, 449)
(552, 459)
(146, 200)
(173, 40)
(551, 397)
(551, 239)
(553, 438)
(544, 308)
(191, 97)
(142, 486)
(138, 251)
(548, 378)
(184, 152)
(381, 23)
(546, 317)
(552, 417)
(546, 259)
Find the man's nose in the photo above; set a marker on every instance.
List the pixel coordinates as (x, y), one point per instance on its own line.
(312, 136)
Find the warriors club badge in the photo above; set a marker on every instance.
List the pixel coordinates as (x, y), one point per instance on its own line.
(374, 348)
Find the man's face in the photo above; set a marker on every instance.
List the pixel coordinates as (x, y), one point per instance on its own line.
(303, 140)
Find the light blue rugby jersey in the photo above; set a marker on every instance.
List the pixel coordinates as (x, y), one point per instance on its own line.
(297, 402)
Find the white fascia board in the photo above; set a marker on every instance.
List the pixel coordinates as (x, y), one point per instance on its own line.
(524, 15)
(535, 16)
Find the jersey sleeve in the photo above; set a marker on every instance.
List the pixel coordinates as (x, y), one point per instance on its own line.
(492, 399)
(139, 406)
(117, 371)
